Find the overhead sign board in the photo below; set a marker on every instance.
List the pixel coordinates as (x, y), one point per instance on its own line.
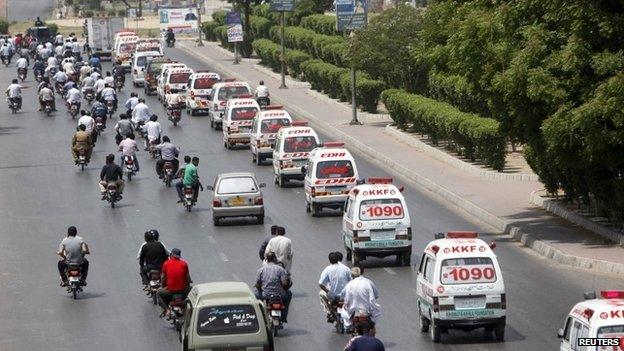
(283, 5)
(234, 27)
(351, 14)
(180, 19)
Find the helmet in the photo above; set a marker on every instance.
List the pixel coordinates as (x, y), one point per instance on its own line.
(154, 234)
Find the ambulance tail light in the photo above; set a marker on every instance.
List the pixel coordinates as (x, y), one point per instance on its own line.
(462, 235)
(192, 94)
(436, 304)
(312, 191)
(404, 234)
(359, 236)
(504, 301)
(274, 107)
(167, 89)
(379, 180)
(258, 201)
(216, 203)
(612, 294)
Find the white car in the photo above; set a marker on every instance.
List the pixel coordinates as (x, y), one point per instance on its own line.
(460, 286)
(220, 94)
(292, 148)
(139, 64)
(199, 88)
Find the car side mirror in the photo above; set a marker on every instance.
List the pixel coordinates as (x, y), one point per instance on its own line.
(262, 185)
(560, 333)
(210, 187)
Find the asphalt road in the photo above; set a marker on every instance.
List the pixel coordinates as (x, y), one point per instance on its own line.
(21, 10)
(42, 193)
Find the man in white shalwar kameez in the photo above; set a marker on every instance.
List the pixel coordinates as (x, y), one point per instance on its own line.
(360, 295)
(281, 246)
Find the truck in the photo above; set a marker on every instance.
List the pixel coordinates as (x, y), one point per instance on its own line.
(101, 34)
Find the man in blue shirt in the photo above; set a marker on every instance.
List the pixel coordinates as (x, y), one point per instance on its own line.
(333, 280)
(365, 340)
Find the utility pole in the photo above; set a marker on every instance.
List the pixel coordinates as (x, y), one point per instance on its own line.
(199, 23)
(354, 117)
(283, 54)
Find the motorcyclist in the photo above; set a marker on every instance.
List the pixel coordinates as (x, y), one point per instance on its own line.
(360, 294)
(265, 242)
(58, 51)
(141, 112)
(52, 61)
(153, 130)
(111, 172)
(123, 128)
(6, 52)
(98, 109)
(175, 278)
(262, 92)
(170, 36)
(70, 84)
(273, 280)
(73, 96)
(151, 256)
(72, 251)
(75, 48)
(89, 123)
(14, 92)
(99, 85)
(58, 40)
(281, 246)
(68, 67)
(38, 22)
(22, 64)
(168, 153)
(129, 147)
(108, 79)
(46, 95)
(86, 84)
(332, 281)
(38, 67)
(85, 70)
(60, 78)
(365, 339)
(119, 72)
(191, 178)
(50, 71)
(131, 102)
(82, 140)
(94, 61)
(109, 94)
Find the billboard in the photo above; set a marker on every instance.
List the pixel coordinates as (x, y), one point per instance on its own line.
(351, 14)
(181, 20)
(234, 27)
(283, 5)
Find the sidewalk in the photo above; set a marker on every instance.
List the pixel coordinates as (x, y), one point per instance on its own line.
(503, 204)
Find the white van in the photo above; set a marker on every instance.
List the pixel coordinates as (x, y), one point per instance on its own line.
(237, 121)
(376, 222)
(460, 286)
(124, 51)
(599, 319)
(329, 176)
(172, 81)
(292, 148)
(122, 34)
(220, 94)
(264, 130)
(199, 88)
(139, 64)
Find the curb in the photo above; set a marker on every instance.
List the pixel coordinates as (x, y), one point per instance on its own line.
(455, 162)
(449, 198)
(289, 80)
(558, 210)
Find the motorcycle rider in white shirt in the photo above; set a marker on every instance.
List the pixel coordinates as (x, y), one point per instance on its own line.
(153, 130)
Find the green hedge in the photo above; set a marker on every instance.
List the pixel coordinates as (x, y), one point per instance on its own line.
(4, 27)
(367, 90)
(294, 60)
(336, 54)
(269, 53)
(457, 91)
(323, 76)
(260, 27)
(221, 35)
(219, 17)
(208, 28)
(321, 24)
(314, 44)
(474, 136)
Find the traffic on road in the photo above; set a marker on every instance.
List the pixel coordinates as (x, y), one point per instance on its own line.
(348, 257)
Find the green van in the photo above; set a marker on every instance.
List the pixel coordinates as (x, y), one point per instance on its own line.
(225, 316)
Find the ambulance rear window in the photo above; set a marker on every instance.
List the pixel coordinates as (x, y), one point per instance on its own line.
(612, 331)
(334, 169)
(204, 83)
(179, 78)
(467, 270)
(299, 144)
(273, 125)
(226, 93)
(243, 113)
(377, 209)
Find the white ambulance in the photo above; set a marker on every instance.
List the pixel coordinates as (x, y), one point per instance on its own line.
(292, 148)
(199, 89)
(160, 80)
(124, 51)
(376, 222)
(174, 82)
(599, 319)
(460, 286)
(329, 176)
(220, 94)
(140, 61)
(238, 119)
(264, 130)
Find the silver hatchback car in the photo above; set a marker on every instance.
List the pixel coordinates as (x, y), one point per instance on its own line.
(237, 195)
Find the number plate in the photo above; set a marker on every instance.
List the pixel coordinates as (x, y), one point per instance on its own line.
(462, 303)
(276, 313)
(237, 201)
(382, 234)
(336, 189)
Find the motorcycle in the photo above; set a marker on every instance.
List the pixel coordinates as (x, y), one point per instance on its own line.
(89, 95)
(275, 306)
(119, 83)
(5, 60)
(263, 102)
(153, 151)
(176, 311)
(140, 130)
(170, 43)
(110, 108)
(60, 90)
(47, 107)
(336, 318)
(154, 285)
(39, 76)
(112, 195)
(73, 110)
(129, 168)
(188, 198)
(175, 113)
(168, 170)
(359, 317)
(21, 74)
(14, 105)
(74, 284)
(99, 125)
(82, 159)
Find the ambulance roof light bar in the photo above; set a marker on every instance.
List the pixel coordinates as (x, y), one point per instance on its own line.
(228, 80)
(612, 294)
(589, 295)
(333, 144)
(299, 124)
(379, 180)
(462, 235)
(274, 107)
(439, 235)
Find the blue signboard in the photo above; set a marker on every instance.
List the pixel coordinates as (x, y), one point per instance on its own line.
(283, 5)
(351, 14)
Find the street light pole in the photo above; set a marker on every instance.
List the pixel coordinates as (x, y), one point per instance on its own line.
(199, 23)
(354, 117)
(283, 54)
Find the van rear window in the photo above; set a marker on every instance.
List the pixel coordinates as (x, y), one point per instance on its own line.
(377, 209)
(334, 169)
(224, 320)
(204, 83)
(179, 78)
(467, 270)
(273, 125)
(612, 331)
(226, 93)
(244, 113)
(299, 144)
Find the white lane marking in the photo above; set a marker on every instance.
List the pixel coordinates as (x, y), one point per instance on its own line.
(236, 278)
(223, 257)
(212, 239)
(389, 270)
